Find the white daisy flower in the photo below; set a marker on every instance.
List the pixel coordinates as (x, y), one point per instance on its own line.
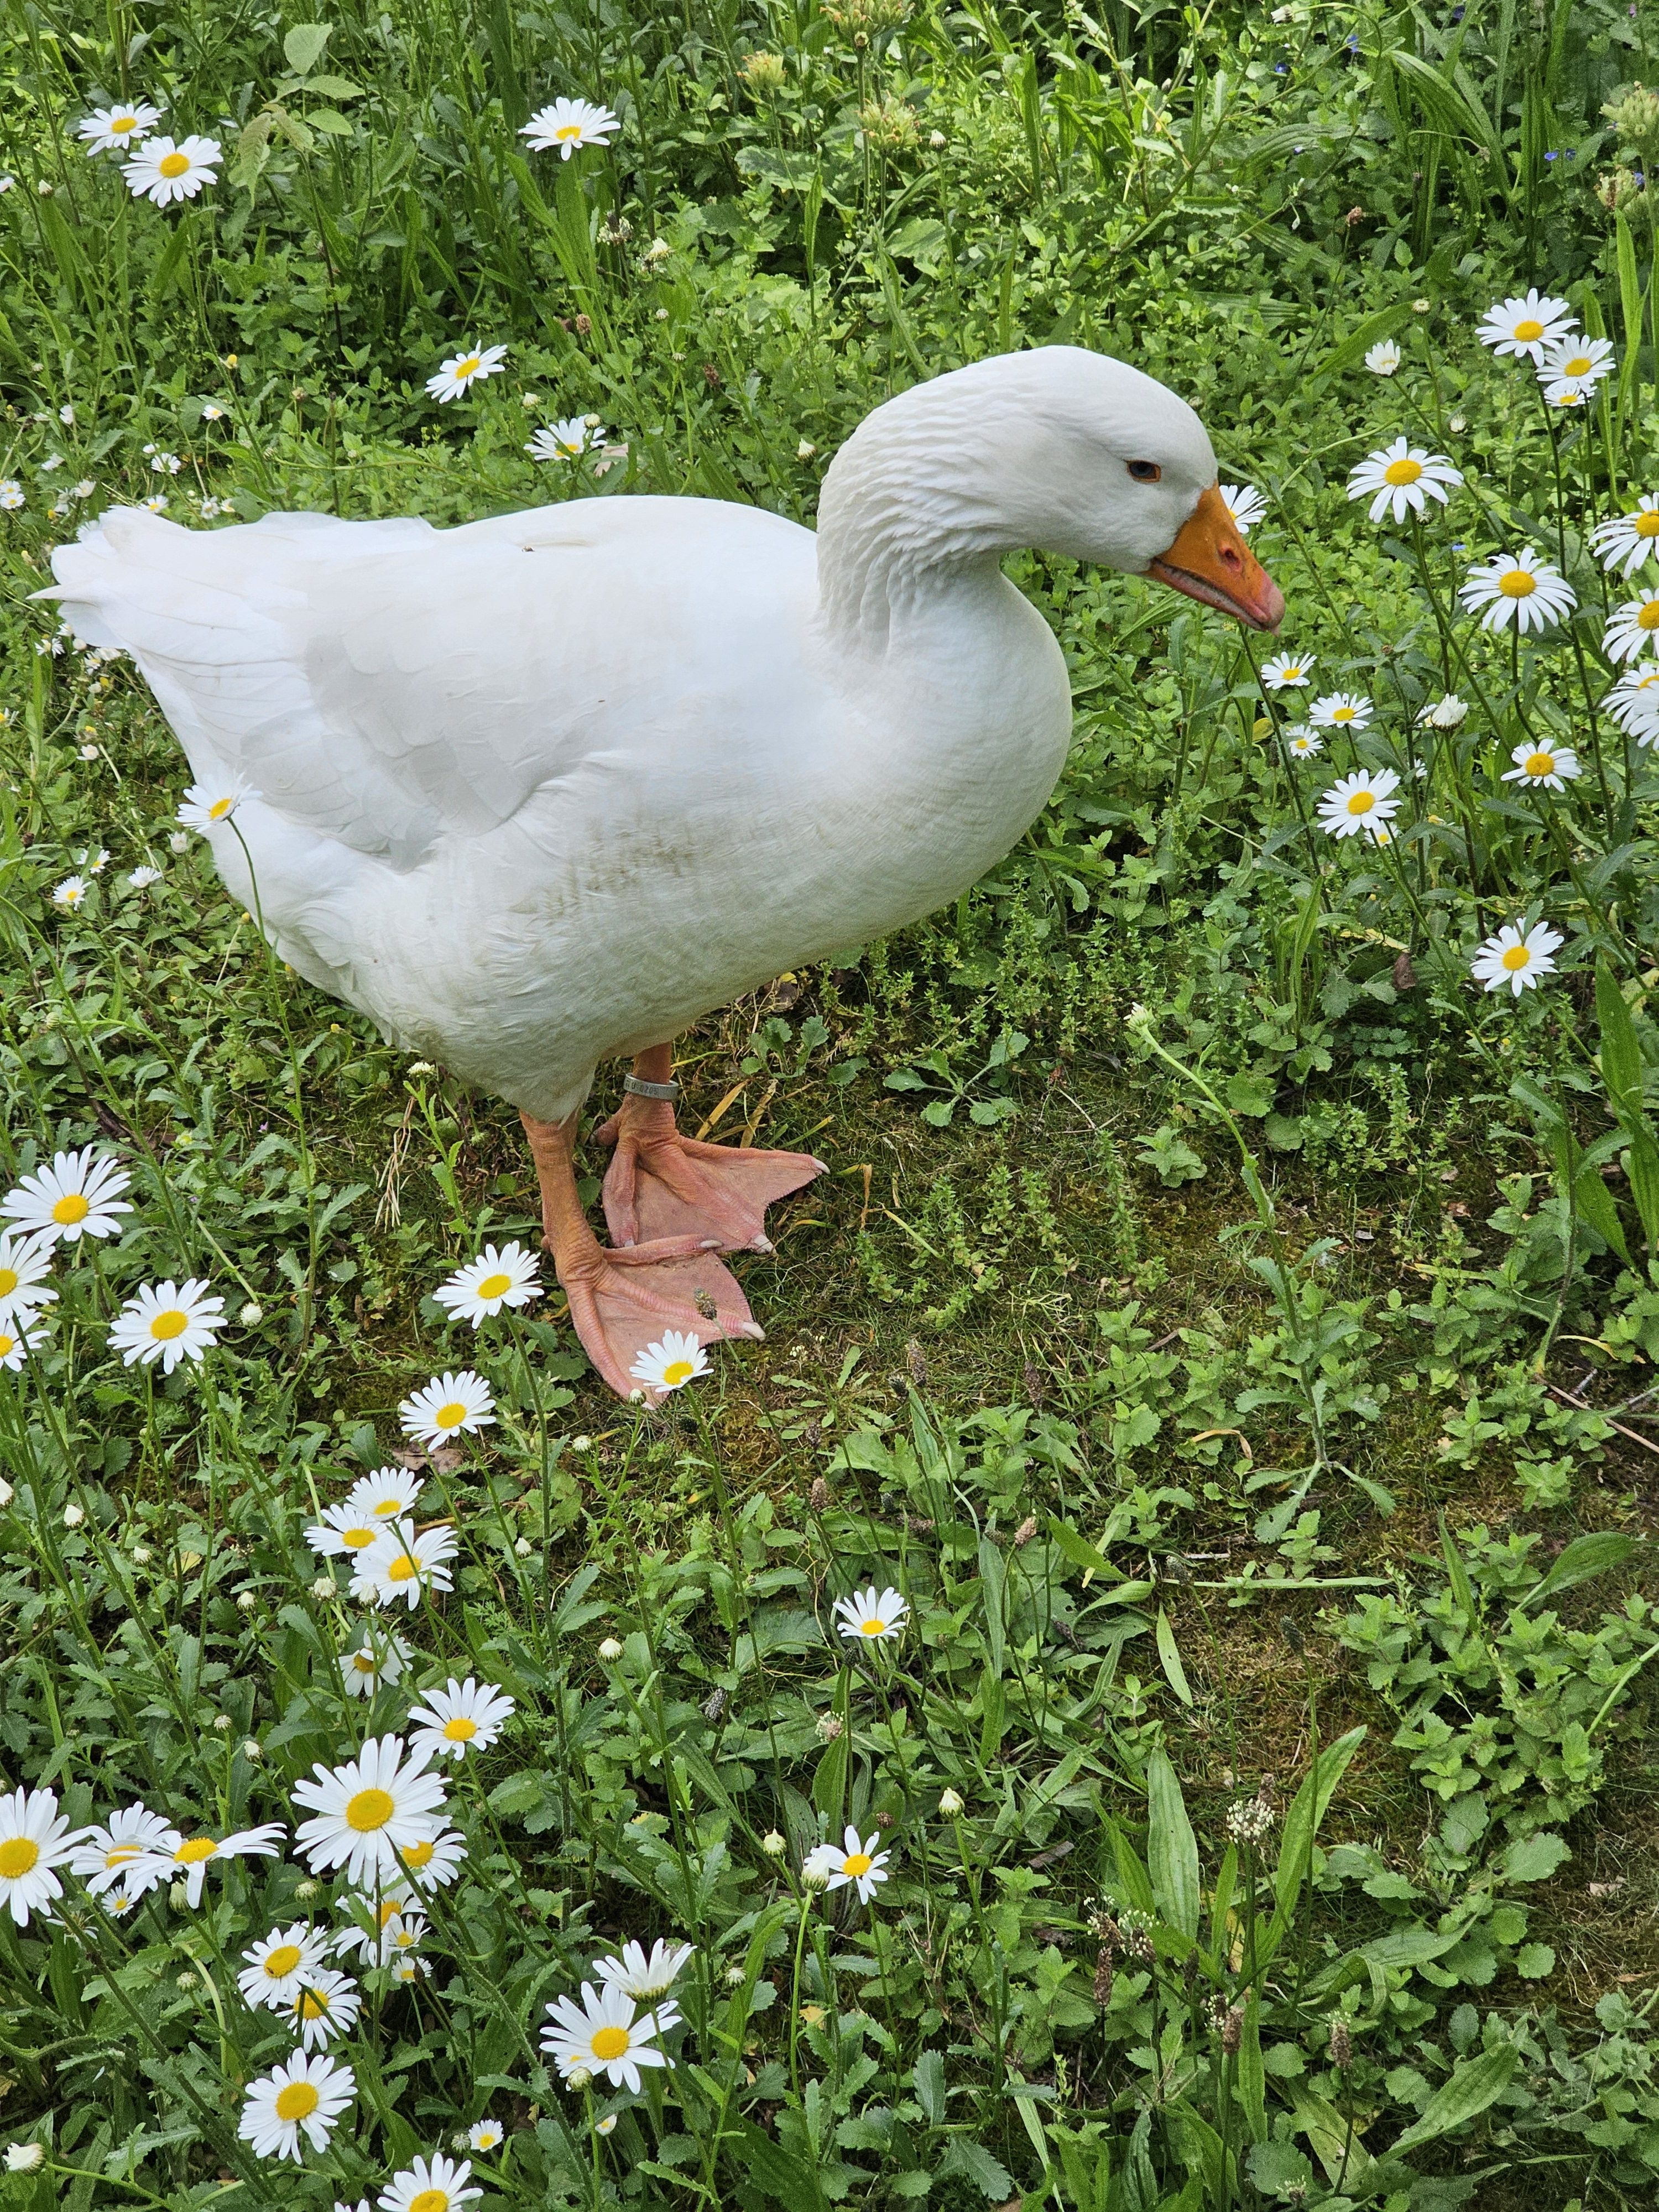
(478, 1291)
(1302, 743)
(204, 807)
(1399, 476)
(435, 2184)
(1355, 801)
(1284, 672)
(1627, 540)
(302, 2096)
(436, 1859)
(1340, 710)
(1516, 588)
(276, 1966)
(1550, 765)
(566, 124)
(325, 2003)
(111, 129)
(69, 894)
(380, 1932)
(871, 1614)
(401, 1563)
(25, 1267)
(644, 1980)
(20, 1335)
(470, 365)
(180, 1857)
(109, 1858)
(23, 2157)
(1383, 358)
(852, 1863)
(671, 1363)
(168, 1322)
(77, 1196)
(142, 878)
(447, 1406)
(1445, 714)
(485, 2135)
(1572, 367)
(1245, 504)
(368, 1810)
(601, 2035)
(11, 495)
(164, 171)
(157, 504)
(1526, 325)
(564, 441)
(1633, 703)
(1521, 962)
(463, 1717)
(34, 1840)
(1631, 628)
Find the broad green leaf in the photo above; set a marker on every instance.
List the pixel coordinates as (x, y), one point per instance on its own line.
(1535, 1858)
(1620, 1054)
(1474, 2084)
(929, 2080)
(304, 45)
(967, 2157)
(1080, 1551)
(1595, 1554)
(1308, 1809)
(1171, 1848)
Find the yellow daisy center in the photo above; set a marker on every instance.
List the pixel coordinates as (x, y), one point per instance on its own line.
(459, 1729)
(356, 1540)
(1517, 957)
(370, 1809)
(296, 2100)
(493, 1285)
(450, 1416)
(1528, 330)
(18, 1857)
(281, 1962)
(856, 1863)
(312, 2004)
(166, 1326)
(610, 2042)
(1291, 671)
(874, 1626)
(1648, 617)
(1540, 764)
(677, 1371)
(389, 1910)
(467, 367)
(192, 1852)
(8, 1346)
(70, 1209)
(569, 130)
(1579, 365)
(219, 808)
(119, 1854)
(1342, 714)
(403, 1568)
(429, 2200)
(418, 1855)
(124, 123)
(173, 165)
(9, 1279)
(388, 1506)
(1362, 802)
(1404, 471)
(363, 1662)
(1647, 526)
(1517, 583)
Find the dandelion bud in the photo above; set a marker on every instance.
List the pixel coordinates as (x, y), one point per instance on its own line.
(73, 1516)
(773, 1845)
(949, 1804)
(1103, 1970)
(322, 1588)
(1341, 2044)
(1232, 2030)
(610, 1651)
(252, 1314)
(245, 1600)
(1026, 1530)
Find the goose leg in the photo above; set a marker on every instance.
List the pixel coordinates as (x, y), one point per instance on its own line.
(621, 1301)
(662, 1184)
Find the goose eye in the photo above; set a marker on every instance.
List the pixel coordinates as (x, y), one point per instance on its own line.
(1145, 471)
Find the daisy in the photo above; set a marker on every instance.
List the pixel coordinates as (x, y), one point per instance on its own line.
(1517, 587)
(438, 2184)
(389, 1494)
(378, 1659)
(1383, 358)
(1340, 710)
(302, 2096)
(567, 124)
(486, 2136)
(860, 1864)
(111, 130)
(25, 1264)
(446, 1407)
(1572, 369)
(1244, 503)
(180, 1857)
(564, 441)
(34, 1839)
(400, 1563)
(76, 1196)
(380, 1932)
(1517, 960)
(17, 1335)
(164, 172)
(1304, 743)
(368, 1810)
(1547, 764)
(1633, 703)
(1631, 627)
(204, 808)
(142, 878)
(1626, 541)
(464, 1717)
(874, 1616)
(436, 1859)
(477, 1291)
(70, 893)
(670, 1365)
(1525, 327)
(1401, 476)
(1445, 714)
(111, 1856)
(168, 1322)
(1285, 670)
(323, 2004)
(277, 1965)
(644, 1980)
(470, 366)
(11, 495)
(601, 2035)
(1355, 801)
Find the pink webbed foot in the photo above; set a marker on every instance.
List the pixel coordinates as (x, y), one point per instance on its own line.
(662, 1184)
(622, 1302)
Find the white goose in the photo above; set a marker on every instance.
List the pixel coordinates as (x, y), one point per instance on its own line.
(546, 788)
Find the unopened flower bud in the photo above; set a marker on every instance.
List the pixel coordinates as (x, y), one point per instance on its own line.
(735, 1978)
(253, 1750)
(252, 1314)
(307, 1891)
(185, 1981)
(523, 1548)
(949, 1804)
(245, 1600)
(322, 1588)
(773, 1845)
(73, 1516)
(578, 2078)
(610, 1651)
(141, 1555)
(221, 1722)
(24, 2157)
(812, 1876)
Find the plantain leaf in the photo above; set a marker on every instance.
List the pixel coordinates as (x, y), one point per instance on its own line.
(1474, 2084)
(1171, 1848)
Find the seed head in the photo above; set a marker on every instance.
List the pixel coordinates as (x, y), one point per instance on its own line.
(1341, 2043)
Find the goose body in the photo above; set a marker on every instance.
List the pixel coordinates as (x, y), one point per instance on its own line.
(545, 788)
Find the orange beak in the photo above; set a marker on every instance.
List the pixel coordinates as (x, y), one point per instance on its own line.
(1210, 561)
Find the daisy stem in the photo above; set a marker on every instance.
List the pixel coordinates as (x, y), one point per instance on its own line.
(544, 1472)
(795, 1991)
